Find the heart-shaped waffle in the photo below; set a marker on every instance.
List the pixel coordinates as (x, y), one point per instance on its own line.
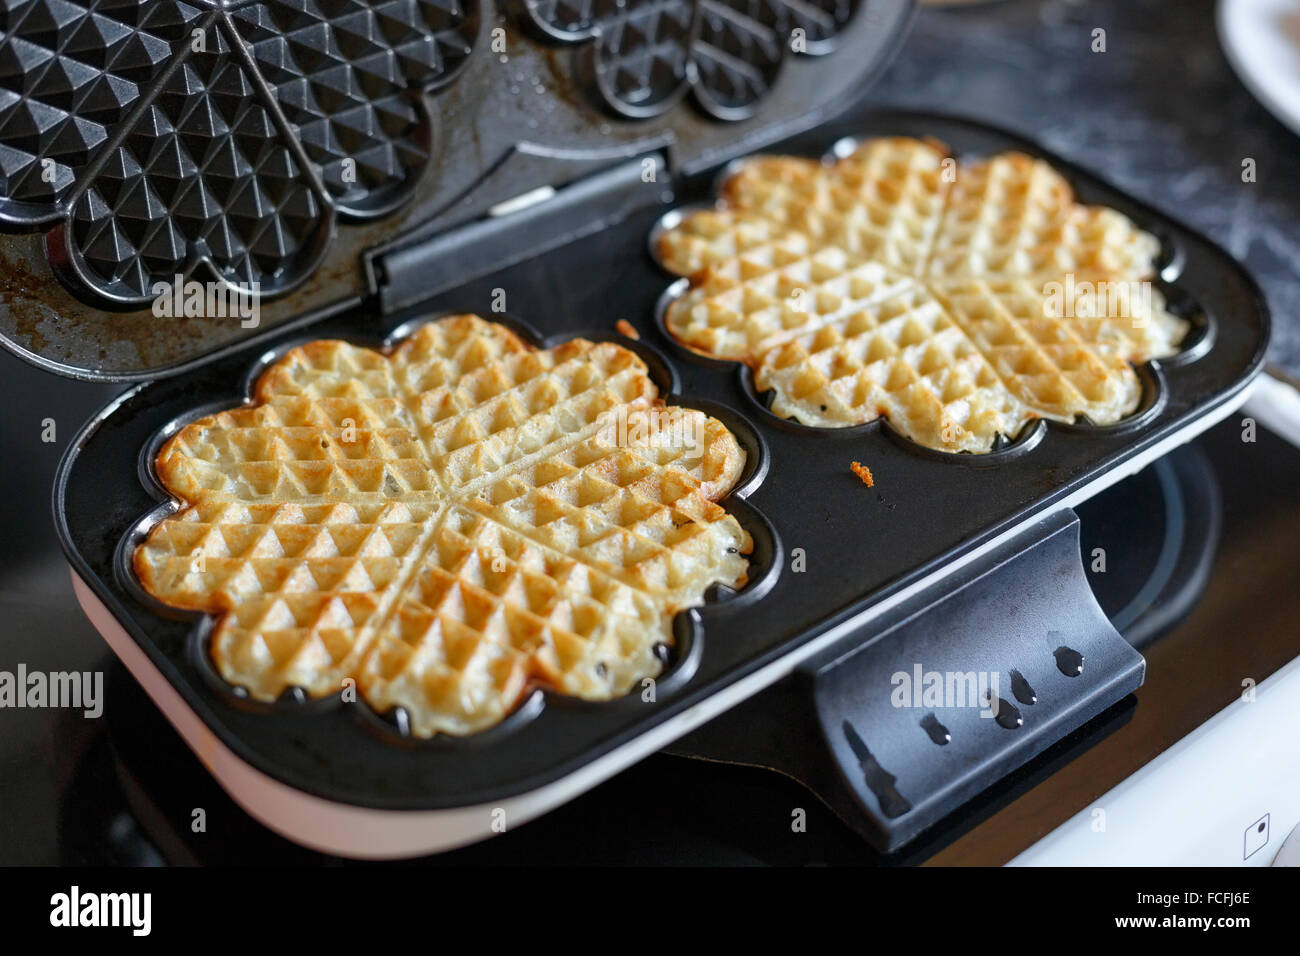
(960, 302)
(446, 525)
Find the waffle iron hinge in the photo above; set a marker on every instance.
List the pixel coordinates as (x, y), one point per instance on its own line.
(517, 229)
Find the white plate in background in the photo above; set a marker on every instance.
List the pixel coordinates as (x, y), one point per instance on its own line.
(1261, 39)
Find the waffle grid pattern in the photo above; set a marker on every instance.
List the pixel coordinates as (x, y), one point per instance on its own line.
(143, 123)
(447, 526)
(960, 303)
(69, 73)
(728, 52)
(202, 172)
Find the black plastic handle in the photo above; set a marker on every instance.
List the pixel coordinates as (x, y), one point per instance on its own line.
(964, 684)
(895, 762)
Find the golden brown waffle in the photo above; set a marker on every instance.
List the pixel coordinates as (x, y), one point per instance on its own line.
(446, 525)
(960, 302)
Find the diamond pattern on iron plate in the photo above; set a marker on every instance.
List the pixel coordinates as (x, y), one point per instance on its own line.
(202, 175)
(156, 135)
(69, 73)
(727, 52)
(342, 72)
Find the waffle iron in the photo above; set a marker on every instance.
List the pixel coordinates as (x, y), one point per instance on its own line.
(511, 160)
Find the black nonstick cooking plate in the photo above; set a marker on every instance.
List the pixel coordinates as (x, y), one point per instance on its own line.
(957, 563)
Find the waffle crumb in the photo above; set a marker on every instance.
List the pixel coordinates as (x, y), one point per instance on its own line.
(863, 472)
(625, 327)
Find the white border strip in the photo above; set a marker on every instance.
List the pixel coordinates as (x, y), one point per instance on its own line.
(1276, 405)
(367, 833)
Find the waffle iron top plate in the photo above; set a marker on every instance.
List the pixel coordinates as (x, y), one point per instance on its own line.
(280, 145)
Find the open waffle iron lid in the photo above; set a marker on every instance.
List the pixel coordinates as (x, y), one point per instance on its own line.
(280, 152)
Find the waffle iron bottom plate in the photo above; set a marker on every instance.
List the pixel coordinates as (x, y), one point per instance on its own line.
(337, 778)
